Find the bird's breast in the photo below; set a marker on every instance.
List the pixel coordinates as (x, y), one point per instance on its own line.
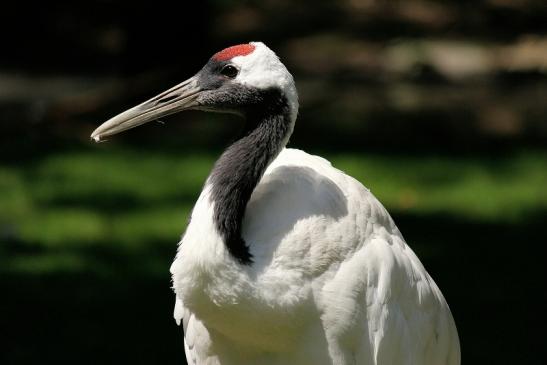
(239, 301)
(304, 218)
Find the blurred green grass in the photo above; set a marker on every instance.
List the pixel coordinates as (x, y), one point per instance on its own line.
(61, 208)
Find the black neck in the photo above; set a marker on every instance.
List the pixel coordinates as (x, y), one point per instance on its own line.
(241, 166)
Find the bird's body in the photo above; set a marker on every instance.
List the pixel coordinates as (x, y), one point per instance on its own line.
(287, 260)
(332, 282)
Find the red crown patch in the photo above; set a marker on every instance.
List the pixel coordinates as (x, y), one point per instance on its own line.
(234, 51)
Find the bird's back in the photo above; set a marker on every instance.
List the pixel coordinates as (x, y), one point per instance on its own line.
(332, 282)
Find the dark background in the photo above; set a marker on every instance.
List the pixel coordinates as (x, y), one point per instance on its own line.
(408, 96)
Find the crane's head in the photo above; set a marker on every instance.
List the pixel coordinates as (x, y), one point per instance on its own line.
(242, 79)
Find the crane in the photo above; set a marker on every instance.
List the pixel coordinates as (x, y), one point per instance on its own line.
(286, 259)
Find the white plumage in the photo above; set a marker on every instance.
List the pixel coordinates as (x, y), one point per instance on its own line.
(328, 277)
(333, 280)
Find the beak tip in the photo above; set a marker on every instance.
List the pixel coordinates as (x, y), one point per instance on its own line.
(95, 136)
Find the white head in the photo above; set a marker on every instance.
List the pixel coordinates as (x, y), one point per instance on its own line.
(262, 69)
(241, 79)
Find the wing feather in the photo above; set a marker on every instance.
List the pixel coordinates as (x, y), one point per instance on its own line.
(197, 341)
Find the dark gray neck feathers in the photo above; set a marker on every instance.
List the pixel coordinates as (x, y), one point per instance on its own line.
(241, 166)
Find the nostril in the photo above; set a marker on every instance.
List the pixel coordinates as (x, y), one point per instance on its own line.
(166, 99)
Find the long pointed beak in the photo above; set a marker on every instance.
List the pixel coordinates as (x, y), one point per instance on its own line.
(180, 97)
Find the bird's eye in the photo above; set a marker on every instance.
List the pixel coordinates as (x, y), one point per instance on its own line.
(229, 71)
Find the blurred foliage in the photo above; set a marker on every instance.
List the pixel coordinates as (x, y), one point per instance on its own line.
(65, 202)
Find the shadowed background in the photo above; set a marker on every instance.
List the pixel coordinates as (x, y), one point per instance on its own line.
(438, 107)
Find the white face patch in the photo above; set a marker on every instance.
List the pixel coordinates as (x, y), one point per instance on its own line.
(263, 69)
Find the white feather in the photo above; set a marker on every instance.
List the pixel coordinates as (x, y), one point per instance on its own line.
(263, 69)
(333, 281)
